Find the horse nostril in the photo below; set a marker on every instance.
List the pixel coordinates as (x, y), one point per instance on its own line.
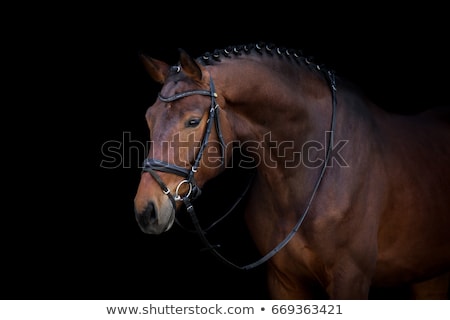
(148, 216)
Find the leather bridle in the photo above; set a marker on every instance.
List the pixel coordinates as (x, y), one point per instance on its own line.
(153, 165)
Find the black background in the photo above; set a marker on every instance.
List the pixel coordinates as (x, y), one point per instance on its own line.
(69, 231)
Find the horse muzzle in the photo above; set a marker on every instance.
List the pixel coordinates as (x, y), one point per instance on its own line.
(153, 219)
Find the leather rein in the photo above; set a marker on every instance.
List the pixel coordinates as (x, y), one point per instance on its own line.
(151, 166)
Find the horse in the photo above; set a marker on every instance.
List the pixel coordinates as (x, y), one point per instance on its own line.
(346, 196)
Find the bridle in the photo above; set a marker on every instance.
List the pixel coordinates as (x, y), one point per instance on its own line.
(153, 165)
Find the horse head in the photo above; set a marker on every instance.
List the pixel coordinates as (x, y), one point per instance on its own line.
(187, 145)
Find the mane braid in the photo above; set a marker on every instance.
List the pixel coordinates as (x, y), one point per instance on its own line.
(260, 48)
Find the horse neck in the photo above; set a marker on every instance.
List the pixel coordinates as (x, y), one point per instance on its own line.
(289, 104)
(280, 109)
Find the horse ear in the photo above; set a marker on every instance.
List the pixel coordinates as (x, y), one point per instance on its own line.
(190, 66)
(157, 69)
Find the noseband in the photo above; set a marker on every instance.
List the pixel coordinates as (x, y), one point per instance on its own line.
(151, 165)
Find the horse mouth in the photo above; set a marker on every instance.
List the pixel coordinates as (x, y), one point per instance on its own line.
(154, 221)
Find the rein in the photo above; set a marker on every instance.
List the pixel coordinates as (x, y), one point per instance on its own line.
(153, 165)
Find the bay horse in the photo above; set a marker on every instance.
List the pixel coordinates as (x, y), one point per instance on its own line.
(346, 195)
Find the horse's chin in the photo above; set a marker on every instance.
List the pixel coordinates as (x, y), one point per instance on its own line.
(162, 227)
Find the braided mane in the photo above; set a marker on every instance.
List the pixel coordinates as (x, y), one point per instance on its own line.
(260, 48)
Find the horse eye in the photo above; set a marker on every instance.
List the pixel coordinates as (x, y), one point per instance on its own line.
(192, 122)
